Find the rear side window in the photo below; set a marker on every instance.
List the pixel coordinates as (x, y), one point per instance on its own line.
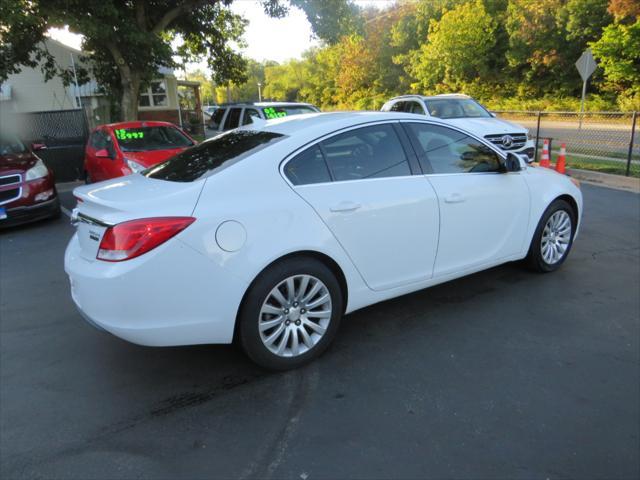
(216, 119)
(369, 152)
(307, 167)
(248, 113)
(398, 107)
(212, 155)
(233, 119)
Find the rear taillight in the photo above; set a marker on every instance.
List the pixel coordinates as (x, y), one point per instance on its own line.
(133, 238)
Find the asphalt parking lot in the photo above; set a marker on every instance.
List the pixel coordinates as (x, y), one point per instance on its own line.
(504, 374)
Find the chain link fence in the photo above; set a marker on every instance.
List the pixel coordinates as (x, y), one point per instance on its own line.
(64, 132)
(602, 141)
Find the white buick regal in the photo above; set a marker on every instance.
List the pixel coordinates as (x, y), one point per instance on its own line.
(271, 233)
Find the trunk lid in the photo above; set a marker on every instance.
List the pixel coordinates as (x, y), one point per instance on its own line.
(128, 198)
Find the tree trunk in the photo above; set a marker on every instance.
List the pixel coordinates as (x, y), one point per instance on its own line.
(130, 93)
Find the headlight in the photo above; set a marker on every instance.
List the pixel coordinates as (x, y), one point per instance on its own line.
(39, 170)
(134, 166)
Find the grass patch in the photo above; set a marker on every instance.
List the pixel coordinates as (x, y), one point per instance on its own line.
(596, 165)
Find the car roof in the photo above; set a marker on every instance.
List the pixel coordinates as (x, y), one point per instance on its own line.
(432, 97)
(320, 123)
(266, 104)
(138, 124)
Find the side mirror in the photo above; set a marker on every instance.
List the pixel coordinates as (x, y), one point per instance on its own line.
(512, 163)
(38, 146)
(103, 153)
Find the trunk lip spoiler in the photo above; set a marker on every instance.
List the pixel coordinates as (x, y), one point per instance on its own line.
(77, 217)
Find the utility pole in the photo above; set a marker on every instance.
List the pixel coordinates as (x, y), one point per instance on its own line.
(259, 92)
(76, 97)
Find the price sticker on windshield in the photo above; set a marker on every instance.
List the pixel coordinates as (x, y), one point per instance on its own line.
(124, 134)
(272, 113)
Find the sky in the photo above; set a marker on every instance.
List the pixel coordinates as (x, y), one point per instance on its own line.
(267, 38)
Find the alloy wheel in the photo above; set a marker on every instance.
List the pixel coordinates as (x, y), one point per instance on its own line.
(295, 315)
(556, 237)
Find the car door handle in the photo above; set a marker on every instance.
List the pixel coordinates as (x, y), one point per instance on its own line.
(345, 206)
(455, 198)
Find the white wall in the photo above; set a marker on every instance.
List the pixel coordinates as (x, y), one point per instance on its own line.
(29, 91)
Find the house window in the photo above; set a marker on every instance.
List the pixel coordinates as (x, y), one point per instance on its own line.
(155, 95)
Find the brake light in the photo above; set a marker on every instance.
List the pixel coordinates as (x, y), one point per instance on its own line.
(131, 239)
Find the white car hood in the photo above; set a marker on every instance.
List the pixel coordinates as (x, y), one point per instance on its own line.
(485, 126)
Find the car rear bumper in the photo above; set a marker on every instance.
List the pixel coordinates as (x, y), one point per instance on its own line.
(170, 296)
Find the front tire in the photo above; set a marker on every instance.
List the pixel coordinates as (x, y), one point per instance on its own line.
(290, 314)
(553, 238)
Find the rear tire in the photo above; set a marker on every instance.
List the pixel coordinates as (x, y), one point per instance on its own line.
(290, 314)
(87, 178)
(553, 238)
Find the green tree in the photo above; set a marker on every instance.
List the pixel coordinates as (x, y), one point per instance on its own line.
(456, 52)
(618, 54)
(127, 40)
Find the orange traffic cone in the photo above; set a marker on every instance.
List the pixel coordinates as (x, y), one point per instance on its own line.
(544, 161)
(561, 164)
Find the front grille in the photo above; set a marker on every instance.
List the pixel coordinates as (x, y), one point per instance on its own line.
(10, 179)
(508, 141)
(7, 196)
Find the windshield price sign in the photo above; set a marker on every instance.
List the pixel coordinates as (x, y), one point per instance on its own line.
(122, 134)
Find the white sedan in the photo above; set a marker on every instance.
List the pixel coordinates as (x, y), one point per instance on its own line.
(271, 233)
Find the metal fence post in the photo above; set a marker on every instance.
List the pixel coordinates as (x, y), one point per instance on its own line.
(633, 133)
(535, 153)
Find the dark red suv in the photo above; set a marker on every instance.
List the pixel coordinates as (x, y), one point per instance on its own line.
(27, 187)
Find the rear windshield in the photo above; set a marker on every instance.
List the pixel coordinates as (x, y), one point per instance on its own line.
(285, 111)
(214, 154)
(150, 138)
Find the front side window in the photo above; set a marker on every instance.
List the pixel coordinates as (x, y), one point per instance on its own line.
(155, 95)
(308, 167)
(212, 155)
(368, 152)
(233, 119)
(456, 108)
(443, 150)
(415, 107)
(143, 139)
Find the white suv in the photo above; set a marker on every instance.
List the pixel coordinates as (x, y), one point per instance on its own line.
(463, 111)
(234, 115)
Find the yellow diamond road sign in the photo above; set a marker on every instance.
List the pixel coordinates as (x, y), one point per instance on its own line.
(586, 65)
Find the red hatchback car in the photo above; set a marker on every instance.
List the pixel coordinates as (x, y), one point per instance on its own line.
(123, 148)
(27, 187)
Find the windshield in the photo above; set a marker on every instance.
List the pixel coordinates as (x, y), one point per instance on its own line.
(285, 111)
(150, 138)
(9, 144)
(456, 108)
(214, 154)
